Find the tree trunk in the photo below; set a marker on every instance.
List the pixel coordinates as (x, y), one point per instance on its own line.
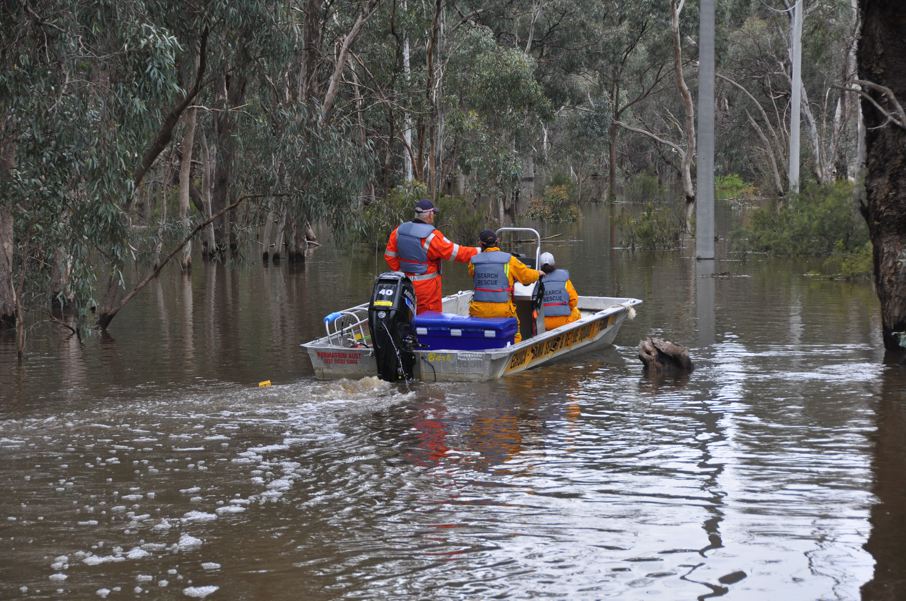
(882, 61)
(311, 34)
(822, 168)
(407, 118)
(225, 124)
(431, 72)
(333, 86)
(185, 184)
(165, 132)
(267, 236)
(689, 111)
(614, 132)
(209, 240)
(7, 287)
(61, 296)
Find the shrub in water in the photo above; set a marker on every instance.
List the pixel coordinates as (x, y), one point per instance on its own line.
(556, 206)
(656, 227)
(733, 187)
(821, 221)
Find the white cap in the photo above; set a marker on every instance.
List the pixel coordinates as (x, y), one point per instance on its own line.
(547, 259)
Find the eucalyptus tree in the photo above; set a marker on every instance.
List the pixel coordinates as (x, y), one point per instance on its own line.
(78, 88)
(882, 77)
(492, 98)
(756, 93)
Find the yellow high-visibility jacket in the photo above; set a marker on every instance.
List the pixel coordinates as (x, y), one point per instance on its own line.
(516, 271)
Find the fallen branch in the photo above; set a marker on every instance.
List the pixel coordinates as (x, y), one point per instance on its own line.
(105, 318)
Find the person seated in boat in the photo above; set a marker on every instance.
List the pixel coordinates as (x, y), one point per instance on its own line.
(561, 301)
(417, 248)
(494, 273)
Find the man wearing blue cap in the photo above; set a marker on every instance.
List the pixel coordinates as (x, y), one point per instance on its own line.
(416, 248)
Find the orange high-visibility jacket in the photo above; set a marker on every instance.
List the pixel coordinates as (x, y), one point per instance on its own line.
(428, 287)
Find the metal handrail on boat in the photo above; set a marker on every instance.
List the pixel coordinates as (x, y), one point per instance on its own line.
(528, 230)
(347, 328)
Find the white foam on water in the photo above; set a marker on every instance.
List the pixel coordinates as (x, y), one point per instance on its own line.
(199, 592)
(144, 578)
(58, 577)
(96, 560)
(137, 553)
(190, 491)
(229, 509)
(210, 565)
(280, 484)
(187, 542)
(103, 593)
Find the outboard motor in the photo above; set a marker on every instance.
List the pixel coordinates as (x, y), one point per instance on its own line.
(390, 315)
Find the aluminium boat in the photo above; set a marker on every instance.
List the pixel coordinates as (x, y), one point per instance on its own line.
(346, 351)
(384, 338)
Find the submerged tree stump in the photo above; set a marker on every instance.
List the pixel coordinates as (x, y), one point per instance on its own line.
(662, 356)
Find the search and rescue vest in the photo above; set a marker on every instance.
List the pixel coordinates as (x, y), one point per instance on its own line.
(412, 242)
(492, 282)
(556, 298)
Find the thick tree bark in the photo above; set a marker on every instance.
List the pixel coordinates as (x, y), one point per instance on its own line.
(882, 61)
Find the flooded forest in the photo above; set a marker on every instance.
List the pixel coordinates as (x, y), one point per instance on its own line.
(190, 191)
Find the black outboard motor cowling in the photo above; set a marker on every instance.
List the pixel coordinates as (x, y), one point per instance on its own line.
(390, 315)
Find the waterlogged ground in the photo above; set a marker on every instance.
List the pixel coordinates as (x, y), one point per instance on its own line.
(151, 465)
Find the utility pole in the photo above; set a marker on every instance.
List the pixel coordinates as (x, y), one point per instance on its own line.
(704, 201)
(795, 95)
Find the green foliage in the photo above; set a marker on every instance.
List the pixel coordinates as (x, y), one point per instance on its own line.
(643, 187)
(458, 219)
(79, 110)
(733, 188)
(494, 100)
(821, 221)
(381, 216)
(655, 228)
(556, 206)
(851, 264)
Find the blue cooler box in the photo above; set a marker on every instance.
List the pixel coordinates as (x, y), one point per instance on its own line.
(436, 331)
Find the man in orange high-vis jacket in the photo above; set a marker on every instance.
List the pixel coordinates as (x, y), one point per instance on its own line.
(561, 301)
(416, 248)
(494, 272)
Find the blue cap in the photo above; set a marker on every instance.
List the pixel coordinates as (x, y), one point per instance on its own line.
(488, 237)
(425, 206)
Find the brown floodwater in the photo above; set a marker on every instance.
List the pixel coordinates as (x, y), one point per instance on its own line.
(149, 464)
